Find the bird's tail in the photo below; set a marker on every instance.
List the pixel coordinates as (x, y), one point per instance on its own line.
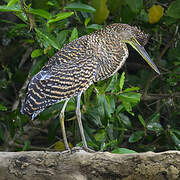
(36, 99)
(28, 110)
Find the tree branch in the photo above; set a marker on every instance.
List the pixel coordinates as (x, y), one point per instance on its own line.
(82, 165)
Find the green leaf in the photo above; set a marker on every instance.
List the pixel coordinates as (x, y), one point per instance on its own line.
(142, 120)
(41, 13)
(121, 84)
(71, 106)
(87, 96)
(48, 38)
(49, 112)
(3, 108)
(49, 50)
(174, 9)
(127, 14)
(120, 108)
(21, 16)
(176, 131)
(36, 53)
(107, 106)
(176, 63)
(125, 119)
(169, 21)
(136, 136)
(154, 126)
(112, 83)
(105, 102)
(9, 9)
(114, 6)
(80, 7)
(18, 28)
(111, 101)
(175, 139)
(100, 135)
(30, 41)
(62, 36)
(111, 144)
(135, 5)
(60, 16)
(93, 115)
(87, 20)
(123, 151)
(102, 11)
(51, 3)
(74, 35)
(128, 107)
(131, 89)
(110, 131)
(93, 27)
(27, 144)
(155, 117)
(130, 97)
(143, 16)
(12, 2)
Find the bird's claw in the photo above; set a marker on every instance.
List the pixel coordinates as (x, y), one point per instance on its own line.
(77, 149)
(88, 149)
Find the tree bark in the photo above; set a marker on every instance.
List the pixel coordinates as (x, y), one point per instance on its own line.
(81, 165)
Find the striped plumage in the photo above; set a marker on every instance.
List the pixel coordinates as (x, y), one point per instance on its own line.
(77, 65)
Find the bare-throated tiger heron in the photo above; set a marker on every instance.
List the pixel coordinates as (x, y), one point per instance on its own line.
(79, 64)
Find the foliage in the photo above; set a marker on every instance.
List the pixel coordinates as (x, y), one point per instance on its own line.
(155, 13)
(114, 118)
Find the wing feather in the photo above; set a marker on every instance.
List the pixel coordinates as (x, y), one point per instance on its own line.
(55, 84)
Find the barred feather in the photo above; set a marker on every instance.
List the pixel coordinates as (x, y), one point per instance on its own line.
(79, 64)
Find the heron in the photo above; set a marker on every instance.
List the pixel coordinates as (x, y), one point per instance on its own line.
(79, 64)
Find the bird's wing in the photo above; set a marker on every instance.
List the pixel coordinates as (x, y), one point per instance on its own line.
(57, 83)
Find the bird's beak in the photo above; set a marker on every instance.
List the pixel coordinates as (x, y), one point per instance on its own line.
(140, 49)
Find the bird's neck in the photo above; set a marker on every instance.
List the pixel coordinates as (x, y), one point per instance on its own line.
(110, 55)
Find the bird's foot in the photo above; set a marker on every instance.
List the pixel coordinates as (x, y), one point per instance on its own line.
(88, 149)
(67, 151)
(77, 149)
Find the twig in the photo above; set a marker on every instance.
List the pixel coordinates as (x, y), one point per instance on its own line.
(25, 57)
(32, 148)
(151, 96)
(29, 16)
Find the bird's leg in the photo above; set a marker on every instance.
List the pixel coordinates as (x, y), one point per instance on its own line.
(61, 118)
(78, 114)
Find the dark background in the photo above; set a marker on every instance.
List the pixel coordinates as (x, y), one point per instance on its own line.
(147, 118)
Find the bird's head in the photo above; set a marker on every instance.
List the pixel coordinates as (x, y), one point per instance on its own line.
(136, 38)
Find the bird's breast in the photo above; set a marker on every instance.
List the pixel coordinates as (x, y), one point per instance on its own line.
(110, 60)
